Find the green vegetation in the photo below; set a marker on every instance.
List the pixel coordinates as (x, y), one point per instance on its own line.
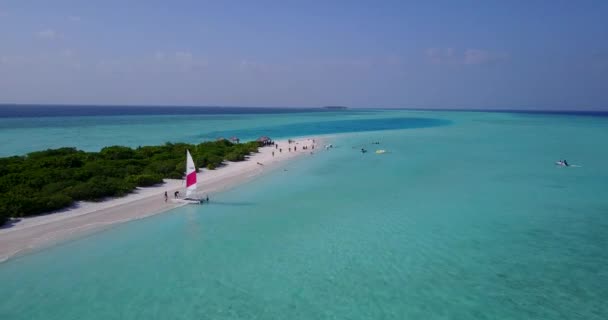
(44, 181)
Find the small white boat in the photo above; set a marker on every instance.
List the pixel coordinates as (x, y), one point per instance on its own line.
(380, 151)
(190, 183)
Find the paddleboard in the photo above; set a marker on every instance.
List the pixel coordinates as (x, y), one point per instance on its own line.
(561, 164)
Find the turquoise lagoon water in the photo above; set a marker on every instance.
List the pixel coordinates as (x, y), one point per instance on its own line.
(465, 217)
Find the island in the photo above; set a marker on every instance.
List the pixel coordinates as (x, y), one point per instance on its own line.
(55, 195)
(45, 181)
(335, 107)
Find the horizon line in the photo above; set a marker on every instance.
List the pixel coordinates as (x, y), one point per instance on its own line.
(498, 109)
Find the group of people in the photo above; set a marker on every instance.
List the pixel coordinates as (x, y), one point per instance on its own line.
(269, 142)
(295, 148)
(175, 194)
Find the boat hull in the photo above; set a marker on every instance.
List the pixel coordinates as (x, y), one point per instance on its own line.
(188, 201)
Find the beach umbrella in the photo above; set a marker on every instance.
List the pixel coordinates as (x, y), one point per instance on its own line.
(263, 139)
(234, 139)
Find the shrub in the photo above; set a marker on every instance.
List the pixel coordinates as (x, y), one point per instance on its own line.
(235, 156)
(100, 187)
(19, 205)
(163, 168)
(55, 202)
(51, 153)
(58, 187)
(117, 153)
(145, 180)
(4, 216)
(52, 179)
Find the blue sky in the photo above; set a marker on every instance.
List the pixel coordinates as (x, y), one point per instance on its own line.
(418, 54)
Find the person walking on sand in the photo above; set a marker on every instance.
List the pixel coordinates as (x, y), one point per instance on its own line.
(166, 196)
(273, 153)
(207, 199)
(176, 194)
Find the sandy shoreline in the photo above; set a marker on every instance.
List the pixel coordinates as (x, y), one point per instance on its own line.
(38, 232)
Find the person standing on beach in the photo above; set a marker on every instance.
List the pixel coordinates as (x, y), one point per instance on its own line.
(273, 153)
(166, 196)
(176, 194)
(207, 199)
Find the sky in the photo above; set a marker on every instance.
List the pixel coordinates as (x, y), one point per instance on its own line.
(385, 54)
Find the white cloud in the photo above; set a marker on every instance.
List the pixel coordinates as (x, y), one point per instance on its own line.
(37, 61)
(68, 53)
(159, 56)
(49, 34)
(351, 63)
(392, 60)
(181, 56)
(450, 56)
(181, 60)
(111, 66)
(15, 60)
(339, 64)
(74, 18)
(257, 67)
(440, 55)
(477, 56)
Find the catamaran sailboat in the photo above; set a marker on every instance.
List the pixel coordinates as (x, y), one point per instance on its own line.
(190, 182)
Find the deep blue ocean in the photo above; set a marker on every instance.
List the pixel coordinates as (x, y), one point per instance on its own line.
(19, 111)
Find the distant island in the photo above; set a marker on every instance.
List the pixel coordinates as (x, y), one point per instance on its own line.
(335, 107)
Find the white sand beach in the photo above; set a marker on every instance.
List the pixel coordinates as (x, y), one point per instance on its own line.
(85, 217)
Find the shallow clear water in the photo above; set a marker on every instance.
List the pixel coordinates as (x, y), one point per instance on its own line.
(466, 220)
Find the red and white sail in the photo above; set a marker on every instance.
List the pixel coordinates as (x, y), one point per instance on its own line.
(190, 175)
